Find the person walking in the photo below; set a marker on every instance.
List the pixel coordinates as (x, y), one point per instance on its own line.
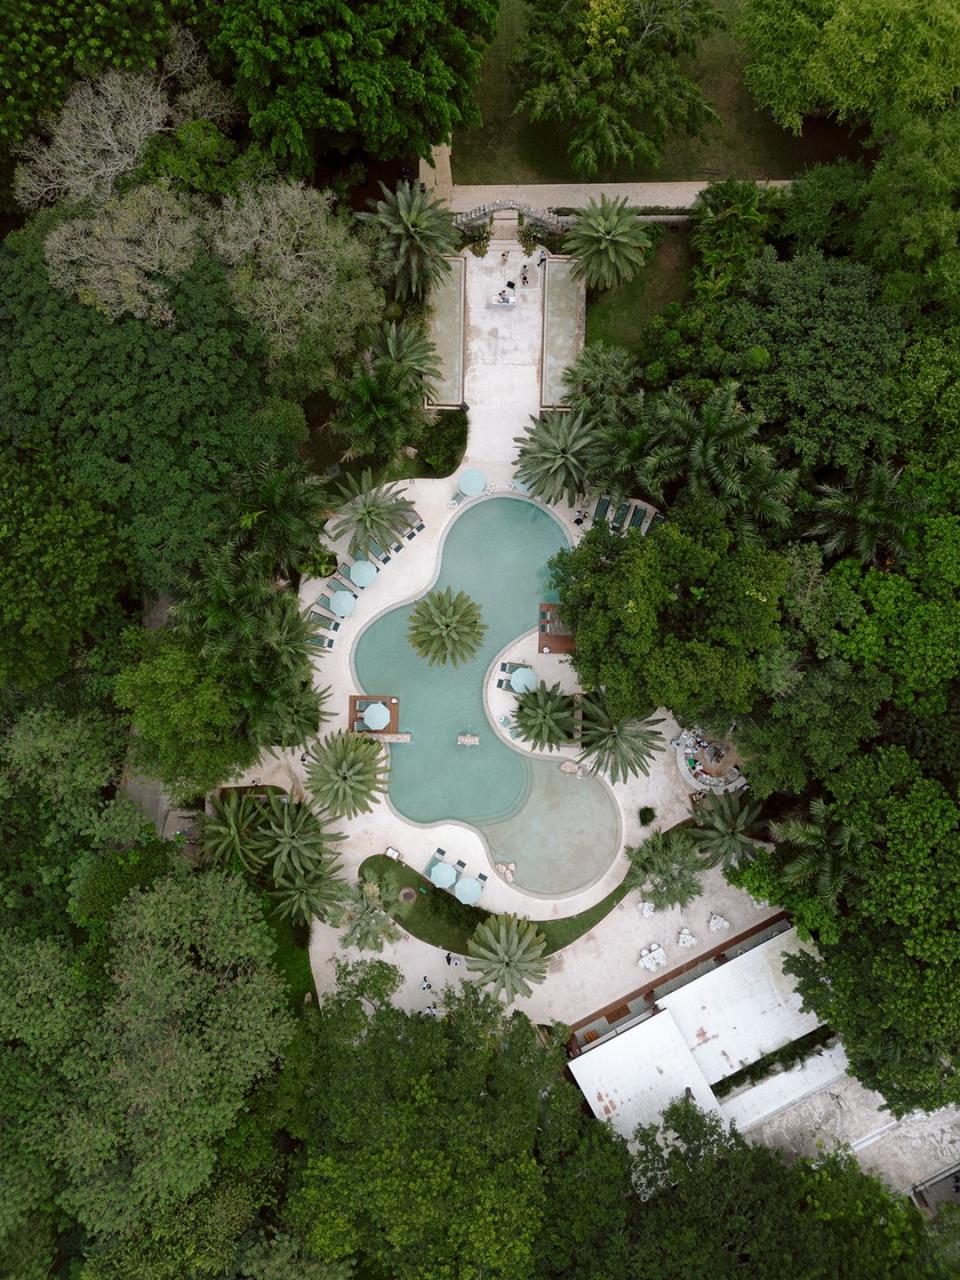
(426, 984)
(543, 257)
(449, 958)
(523, 275)
(504, 257)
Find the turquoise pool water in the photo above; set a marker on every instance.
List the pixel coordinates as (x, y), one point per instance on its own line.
(561, 831)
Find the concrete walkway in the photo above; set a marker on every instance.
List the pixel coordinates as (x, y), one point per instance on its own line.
(574, 195)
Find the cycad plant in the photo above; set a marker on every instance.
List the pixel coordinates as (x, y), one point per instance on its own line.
(346, 773)
(320, 895)
(544, 716)
(365, 918)
(446, 628)
(726, 828)
(555, 455)
(228, 830)
(371, 512)
(280, 512)
(609, 242)
(713, 453)
(291, 841)
(507, 953)
(418, 230)
(666, 868)
(618, 748)
(868, 518)
(817, 853)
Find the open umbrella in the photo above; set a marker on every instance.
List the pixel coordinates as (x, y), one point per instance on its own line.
(472, 482)
(442, 875)
(363, 573)
(468, 890)
(522, 680)
(343, 603)
(376, 716)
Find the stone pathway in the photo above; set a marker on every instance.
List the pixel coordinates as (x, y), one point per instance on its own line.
(574, 195)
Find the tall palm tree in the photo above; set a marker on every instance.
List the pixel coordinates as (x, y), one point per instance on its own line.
(227, 607)
(346, 773)
(605, 384)
(619, 748)
(418, 230)
(292, 841)
(609, 243)
(667, 868)
(371, 513)
(377, 410)
(365, 919)
(405, 347)
(869, 517)
(303, 898)
(545, 716)
(228, 831)
(506, 953)
(714, 453)
(818, 853)
(446, 628)
(726, 827)
(555, 455)
(280, 514)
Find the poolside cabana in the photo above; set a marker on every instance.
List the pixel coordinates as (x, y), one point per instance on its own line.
(364, 718)
(443, 875)
(555, 636)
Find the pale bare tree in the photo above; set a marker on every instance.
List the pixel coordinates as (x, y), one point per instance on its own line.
(123, 259)
(298, 272)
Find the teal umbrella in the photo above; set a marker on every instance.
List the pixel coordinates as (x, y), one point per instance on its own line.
(472, 482)
(442, 875)
(376, 716)
(522, 680)
(468, 890)
(363, 573)
(343, 603)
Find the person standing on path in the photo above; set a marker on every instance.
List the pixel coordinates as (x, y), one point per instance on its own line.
(543, 257)
(504, 257)
(426, 984)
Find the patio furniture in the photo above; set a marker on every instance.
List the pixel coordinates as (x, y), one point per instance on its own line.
(461, 865)
(468, 890)
(647, 909)
(343, 603)
(322, 620)
(379, 552)
(417, 528)
(482, 878)
(472, 482)
(503, 684)
(619, 517)
(442, 875)
(522, 680)
(363, 573)
(320, 642)
(637, 516)
(601, 509)
(686, 939)
(394, 853)
(658, 518)
(717, 923)
(376, 716)
(510, 667)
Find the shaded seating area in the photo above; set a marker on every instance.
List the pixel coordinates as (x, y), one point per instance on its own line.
(453, 877)
(375, 714)
(555, 636)
(627, 514)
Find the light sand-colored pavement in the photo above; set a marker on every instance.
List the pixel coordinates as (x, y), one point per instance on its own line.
(574, 195)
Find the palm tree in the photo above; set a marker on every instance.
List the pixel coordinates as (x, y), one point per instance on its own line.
(418, 230)
(506, 953)
(667, 868)
(228, 830)
(446, 628)
(291, 841)
(371, 513)
(555, 454)
(868, 517)
(365, 918)
(346, 773)
(609, 243)
(545, 716)
(377, 410)
(303, 898)
(619, 748)
(818, 853)
(726, 823)
(405, 347)
(280, 514)
(716, 456)
(605, 386)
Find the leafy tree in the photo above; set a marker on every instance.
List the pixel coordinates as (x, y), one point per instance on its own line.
(544, 716)
(619, 748)
(852, 59)
(554, 455)
(725, 828)
(609, 243)
(371, 512)
(446, 628)
(197, 157)
(375, 76)
(119, 33)
(666, 868)
(378, 410)
(869, 517)
(823, 205)
(817, 852)
(731, 222)
(750, 1211)
(299, 273)
(346, 774)
(279, 514)
(416, 230)
(507, 953)
(161, 1074)
(59, 571)
(605, 384)
(609, 76)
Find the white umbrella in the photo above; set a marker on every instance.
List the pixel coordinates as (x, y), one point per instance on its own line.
(442, 875)
(522, 680)
(376, 716)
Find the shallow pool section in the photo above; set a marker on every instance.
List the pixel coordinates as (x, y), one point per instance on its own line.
(562, 831)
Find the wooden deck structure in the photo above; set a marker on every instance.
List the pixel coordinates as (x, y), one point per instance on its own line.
(555, 636)
(359, 701)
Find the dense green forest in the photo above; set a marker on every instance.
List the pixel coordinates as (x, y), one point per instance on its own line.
(213, 285)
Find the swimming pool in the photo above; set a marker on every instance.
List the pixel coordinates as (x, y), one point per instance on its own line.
(562, 832)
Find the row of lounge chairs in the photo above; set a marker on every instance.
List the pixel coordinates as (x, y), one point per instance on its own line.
(627, 514)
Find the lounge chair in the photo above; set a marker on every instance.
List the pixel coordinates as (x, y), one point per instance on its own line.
(461, 865)
(321, 620)
(417, 528)
(482, 878)
(510, 667)
(637, 516)
(440, 853)
(378, 552)
(621, 515)
(320, 642)
(503, 684)
(658, 518)
(335, 585)
(601, 509)
(323, 602)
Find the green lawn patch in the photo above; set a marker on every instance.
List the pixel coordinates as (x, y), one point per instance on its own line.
(292, 958)
(618, 315)
(438, 918)
(746, 144)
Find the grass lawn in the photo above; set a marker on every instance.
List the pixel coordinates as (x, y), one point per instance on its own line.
(292, 959)
(438, 918)
(618, 315)
(746, 143)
